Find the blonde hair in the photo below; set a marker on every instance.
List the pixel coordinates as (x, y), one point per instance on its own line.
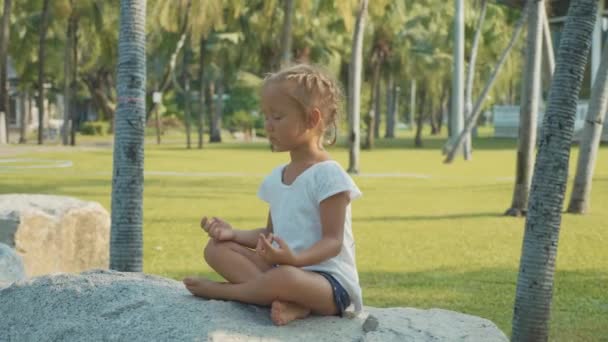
(314, 87)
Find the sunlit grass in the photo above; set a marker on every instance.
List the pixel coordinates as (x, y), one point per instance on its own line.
(435, 239)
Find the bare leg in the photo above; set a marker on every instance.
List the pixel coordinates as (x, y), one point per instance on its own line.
(288, 285)
(234, 262)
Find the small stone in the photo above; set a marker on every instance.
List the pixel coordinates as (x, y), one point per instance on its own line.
(370, 324)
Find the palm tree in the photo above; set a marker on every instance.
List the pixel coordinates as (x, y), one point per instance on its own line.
(354, 89)
(127, 180)
(4, 41)
(528, 112)
(537, 265)
(474, 114)
(468, 91)
(580, 199)
(285, 54)
(41, 63)
(458, 77)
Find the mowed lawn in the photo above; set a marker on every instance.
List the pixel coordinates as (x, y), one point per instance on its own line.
(428, 235)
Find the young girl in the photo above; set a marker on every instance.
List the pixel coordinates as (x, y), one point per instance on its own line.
(303, 261)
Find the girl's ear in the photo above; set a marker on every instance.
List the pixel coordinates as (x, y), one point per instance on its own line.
(315, 118)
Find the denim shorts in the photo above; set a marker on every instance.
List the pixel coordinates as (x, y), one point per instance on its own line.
(341, 297)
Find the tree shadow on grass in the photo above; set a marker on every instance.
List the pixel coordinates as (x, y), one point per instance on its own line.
(428, 217)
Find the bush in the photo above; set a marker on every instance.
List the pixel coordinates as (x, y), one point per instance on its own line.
(95, 128)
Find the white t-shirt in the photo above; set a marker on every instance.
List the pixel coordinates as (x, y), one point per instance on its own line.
(295, 215)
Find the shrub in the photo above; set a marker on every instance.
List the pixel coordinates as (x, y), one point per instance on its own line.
(94, 128)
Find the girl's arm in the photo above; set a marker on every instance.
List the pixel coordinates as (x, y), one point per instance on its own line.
(249, 238)
(333, 211)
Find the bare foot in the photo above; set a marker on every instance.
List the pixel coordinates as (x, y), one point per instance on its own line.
(202, 287)
(282, 313)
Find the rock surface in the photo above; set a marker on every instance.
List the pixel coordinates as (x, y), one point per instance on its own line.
(107, 305)
(11, 266)
(55, 233)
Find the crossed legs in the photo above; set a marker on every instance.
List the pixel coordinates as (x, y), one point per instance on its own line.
(291, 292)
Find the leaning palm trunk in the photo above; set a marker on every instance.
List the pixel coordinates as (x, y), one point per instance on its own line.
(456, 113)
(580, 199)
(41, 64)
(128, 177)
(472, 119)
(67, 72)
(354, 90)
(528, 112)
(537, 266)
(468, 91)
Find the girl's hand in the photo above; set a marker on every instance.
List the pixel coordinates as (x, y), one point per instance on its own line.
(217, 229)
(272, 255)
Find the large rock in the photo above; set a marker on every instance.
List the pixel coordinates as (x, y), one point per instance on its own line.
(113, 306)
(11, 266)
(55, 233)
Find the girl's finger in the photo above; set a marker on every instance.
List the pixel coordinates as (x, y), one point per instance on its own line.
(204, 223)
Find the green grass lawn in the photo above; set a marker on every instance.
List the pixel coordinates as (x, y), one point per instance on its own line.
(435, 239)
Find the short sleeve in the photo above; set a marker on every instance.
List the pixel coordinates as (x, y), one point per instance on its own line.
(332, 179)
(264, 191)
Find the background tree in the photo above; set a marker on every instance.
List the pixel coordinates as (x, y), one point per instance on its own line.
(537, 266)
(4, 42)
(580, 198)
(128, 166)
(528, 112)
(354, 89)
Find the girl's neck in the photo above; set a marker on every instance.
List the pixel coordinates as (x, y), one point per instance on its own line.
(308, 154)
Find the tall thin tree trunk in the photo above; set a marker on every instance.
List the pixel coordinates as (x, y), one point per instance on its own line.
(431, 112)
(25, 116)
(201, 112)
(128, 174)
(216, 121)
(210, 105)
(528, 112)
(377, 100)
(186, 94)
(472, 119)
(4, 43)
(420, 115)
(354, 89)
(412, 103)
(389, 131)
(41, 64)
(532, 307)
(75, 119)
(285, 54)
(67, 64)
(549, 56)
(580, 199)
(456, 116)
(468, 148)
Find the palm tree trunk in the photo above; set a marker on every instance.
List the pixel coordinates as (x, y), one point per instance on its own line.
(201, 111)
(216, 120)
(472, 119)
(209, 93)
(528, 111)
(285, 54)
(549, 57)
(377, 104)
(420, 116)
(128, 174)
(41, 64)
(186, 94)
(532, 307)
(580, 199)
(354, 89)
(4, 41)
(412, 103)
(389, 131)
(67, 64)
(468, 149)
(25, 115)
(456, 117)
(74, 84)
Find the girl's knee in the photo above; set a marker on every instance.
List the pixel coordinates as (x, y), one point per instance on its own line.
(285, 274)
(215, 248)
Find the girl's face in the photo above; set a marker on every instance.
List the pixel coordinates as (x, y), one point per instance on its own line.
(285, 122)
